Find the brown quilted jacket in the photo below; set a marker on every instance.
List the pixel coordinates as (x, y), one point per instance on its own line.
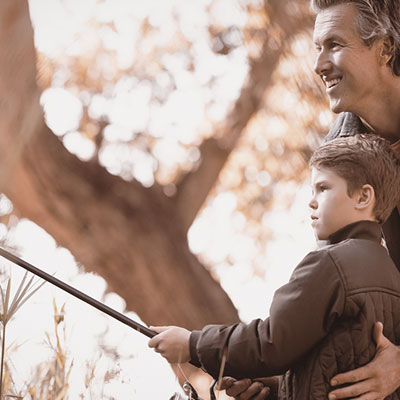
(320, 323)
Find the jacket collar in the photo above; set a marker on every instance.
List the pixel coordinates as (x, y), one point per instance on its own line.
(346, 124)
(368, 230)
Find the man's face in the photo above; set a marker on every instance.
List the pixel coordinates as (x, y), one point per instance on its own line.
(331, 206)
(350, 70)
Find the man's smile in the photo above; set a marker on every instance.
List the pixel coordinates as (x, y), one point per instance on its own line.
(331, 82)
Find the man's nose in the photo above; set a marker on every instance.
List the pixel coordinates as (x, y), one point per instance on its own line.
(322, 63)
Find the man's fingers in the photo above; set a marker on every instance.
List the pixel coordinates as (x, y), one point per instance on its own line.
(238, 387)
(378, 331)
(379, 337)
(370, 396)
(367, 396)
(254, 389)
(263, 394)
(356, 375)
(351, 391)
(226, 382)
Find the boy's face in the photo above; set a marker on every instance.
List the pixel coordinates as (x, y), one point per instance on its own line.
(331, 206)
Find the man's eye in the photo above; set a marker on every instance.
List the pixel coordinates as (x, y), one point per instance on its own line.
(334, 45)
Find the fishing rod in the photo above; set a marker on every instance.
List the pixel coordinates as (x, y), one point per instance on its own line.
(188, 388)
(78, 294)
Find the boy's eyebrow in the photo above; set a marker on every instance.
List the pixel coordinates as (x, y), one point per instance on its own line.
(320, 182)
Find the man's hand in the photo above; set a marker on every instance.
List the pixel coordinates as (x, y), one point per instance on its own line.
(377, 379)
(246, 389)
(172, 343)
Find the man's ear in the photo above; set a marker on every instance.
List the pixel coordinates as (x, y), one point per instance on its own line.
(365, 197)
(385, 46)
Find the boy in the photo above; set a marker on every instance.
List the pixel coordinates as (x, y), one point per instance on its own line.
(321, 322)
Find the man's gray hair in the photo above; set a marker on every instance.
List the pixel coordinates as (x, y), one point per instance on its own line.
(377, 19)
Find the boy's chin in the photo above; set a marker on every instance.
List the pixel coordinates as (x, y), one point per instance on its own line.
(320, 236)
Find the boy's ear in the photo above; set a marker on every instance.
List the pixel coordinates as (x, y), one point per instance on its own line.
(366, 197)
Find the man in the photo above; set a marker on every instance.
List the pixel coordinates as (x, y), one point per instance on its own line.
(358, 59)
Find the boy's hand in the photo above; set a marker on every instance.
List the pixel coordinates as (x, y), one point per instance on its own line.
(377, 379)
(172, 343)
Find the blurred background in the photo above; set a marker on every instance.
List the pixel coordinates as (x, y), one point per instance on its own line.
(153, 155)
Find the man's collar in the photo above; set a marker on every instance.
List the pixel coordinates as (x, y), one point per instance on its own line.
(346, 124)
(368, 230)
(349, 124)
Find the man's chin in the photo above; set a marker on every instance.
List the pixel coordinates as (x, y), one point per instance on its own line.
(336, 106)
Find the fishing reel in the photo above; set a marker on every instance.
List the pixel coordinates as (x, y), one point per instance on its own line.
(191, 393)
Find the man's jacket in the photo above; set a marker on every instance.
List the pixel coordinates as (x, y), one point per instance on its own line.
(320, 322)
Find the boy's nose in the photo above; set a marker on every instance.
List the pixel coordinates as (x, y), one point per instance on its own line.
(313, 203)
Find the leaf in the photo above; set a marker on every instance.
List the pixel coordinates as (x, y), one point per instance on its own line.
(2, 303)
(19, 295)
(6, 316)
(28, 296)
(20, 287)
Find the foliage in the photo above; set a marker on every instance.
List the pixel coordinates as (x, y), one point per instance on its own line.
(166, 71)
(51, 379)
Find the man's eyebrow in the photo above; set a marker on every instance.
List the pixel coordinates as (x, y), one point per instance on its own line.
(329, 38)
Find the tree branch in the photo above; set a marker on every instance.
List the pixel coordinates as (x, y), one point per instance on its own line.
(197, 184)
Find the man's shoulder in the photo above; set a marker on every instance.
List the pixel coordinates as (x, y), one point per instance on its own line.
(346, 124)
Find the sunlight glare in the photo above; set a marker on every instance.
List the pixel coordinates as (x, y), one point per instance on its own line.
(79, 145)
(6, 206)
(62, 109)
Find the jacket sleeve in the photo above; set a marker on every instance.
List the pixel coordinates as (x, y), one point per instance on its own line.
(301, 314)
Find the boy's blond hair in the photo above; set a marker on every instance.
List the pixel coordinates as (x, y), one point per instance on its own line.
(360, 160)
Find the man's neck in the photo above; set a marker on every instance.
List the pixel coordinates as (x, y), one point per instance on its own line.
(388, 129)
(383, 113)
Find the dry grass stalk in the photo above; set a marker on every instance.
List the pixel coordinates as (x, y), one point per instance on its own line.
(51, 381)
(9, 307)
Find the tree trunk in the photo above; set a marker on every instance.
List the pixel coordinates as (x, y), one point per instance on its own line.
(129, 234)
(134, 237)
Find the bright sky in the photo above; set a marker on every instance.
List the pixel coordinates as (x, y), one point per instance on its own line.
(216, 232)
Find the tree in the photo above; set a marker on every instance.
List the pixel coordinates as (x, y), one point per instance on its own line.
(134, 236)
